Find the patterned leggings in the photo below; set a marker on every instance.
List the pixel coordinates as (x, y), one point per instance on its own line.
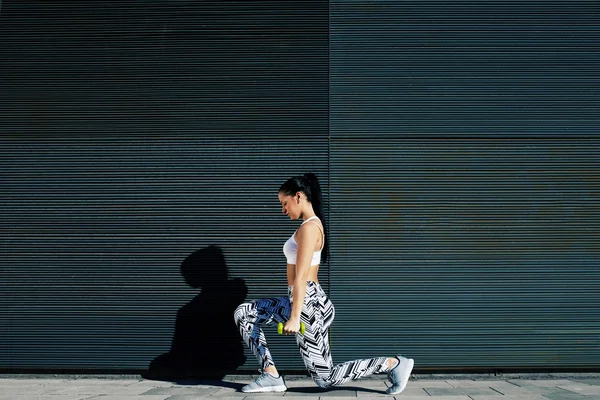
(317, 314)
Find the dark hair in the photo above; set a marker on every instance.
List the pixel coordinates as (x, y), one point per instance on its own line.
(309, 185)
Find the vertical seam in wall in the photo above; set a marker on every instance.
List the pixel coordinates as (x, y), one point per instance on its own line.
(329, 144)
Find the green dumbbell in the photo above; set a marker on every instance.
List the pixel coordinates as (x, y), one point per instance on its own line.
(280, 328)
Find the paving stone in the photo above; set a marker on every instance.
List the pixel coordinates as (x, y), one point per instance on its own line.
(595, 382)
(17, 383)
(582, 388)
(506, 387)
(367, 390)
(89, 390)
(231, 389)
(22, 390)
(462, 397)
(515, 397)
(338, 393)
(429, 384)
(305, 390)
(338, 398)
(539, 382)
(9, 381)
(472, 383)
(134, 390)
(560, 394)
(369, 395)
(181, 390)
(256, 396)
(462, 392)
(152, 383)
(121, 397)
(410, 391)
(402, 396)
(303, 395)
(195, 397)
(41, 397)
(100, 382)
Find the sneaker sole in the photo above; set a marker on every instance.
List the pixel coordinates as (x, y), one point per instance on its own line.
(268, 389)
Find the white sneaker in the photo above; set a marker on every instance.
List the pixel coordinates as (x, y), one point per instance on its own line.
(265, 383)
(399, 375)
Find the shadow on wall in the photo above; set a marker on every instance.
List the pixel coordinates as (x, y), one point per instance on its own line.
(206, 343)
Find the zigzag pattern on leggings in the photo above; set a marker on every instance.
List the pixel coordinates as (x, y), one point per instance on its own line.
(317, 314)
(249, 317)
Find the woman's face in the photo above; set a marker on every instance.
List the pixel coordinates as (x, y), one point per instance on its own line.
(289, 205)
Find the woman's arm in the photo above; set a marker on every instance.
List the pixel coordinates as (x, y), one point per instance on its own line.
(306, 237)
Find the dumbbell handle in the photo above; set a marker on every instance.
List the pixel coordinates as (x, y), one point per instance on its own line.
(280, 328)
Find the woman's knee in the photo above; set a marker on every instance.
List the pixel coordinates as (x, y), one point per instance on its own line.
(241, 312)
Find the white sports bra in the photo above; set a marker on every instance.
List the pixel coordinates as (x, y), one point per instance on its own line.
(290, 248)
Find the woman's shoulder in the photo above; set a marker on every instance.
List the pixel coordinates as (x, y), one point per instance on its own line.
(312, 227)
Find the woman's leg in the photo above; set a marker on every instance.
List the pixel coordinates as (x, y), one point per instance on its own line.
(250, 316)
(317, 314)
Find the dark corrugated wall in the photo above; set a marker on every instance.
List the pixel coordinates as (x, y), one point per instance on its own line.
(139, 144)
(464, 183)
(142, 150)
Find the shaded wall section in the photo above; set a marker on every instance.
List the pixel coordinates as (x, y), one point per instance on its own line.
(138, 143)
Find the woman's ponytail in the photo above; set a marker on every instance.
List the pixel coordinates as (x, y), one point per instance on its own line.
(316, 199)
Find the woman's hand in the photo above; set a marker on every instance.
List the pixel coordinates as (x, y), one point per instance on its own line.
(292, 326)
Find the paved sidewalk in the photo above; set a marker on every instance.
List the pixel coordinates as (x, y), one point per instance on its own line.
(440, 387)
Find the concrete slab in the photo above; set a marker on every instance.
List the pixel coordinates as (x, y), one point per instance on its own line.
(22, 390)
(401, 397)
(41, 397)
(429, 384)
(582, 388)
(120, 397)
(256, 396)
(304, 391)
(229, 392)
(518, 397)
(174, 390)
(595, 382)
(338, 398)
(24, 382)
(560, 394)
(335, 392)
(458, 388)
(473, 383)
(193, 397)
(462, 392)
(366, 389)
(539, 382)
(89, 390)
(505, 387)
(153, 383)
(15, 383)
(98, 382)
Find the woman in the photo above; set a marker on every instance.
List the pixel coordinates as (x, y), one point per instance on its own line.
(300, 198)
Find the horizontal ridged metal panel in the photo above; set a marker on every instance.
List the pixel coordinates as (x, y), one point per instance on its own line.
(467, 253)
(464, 165)
(464, 68)
(95, 233)
(132, 140)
